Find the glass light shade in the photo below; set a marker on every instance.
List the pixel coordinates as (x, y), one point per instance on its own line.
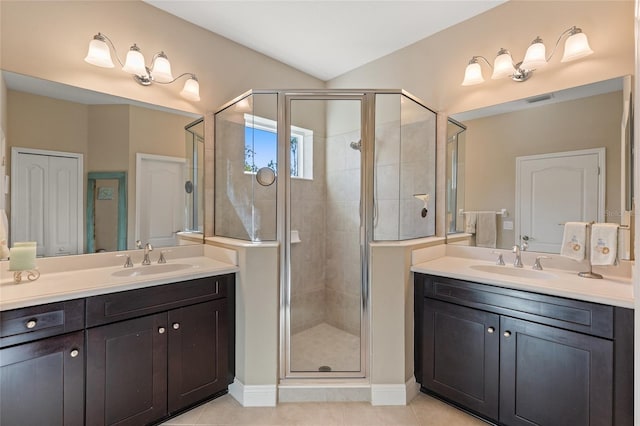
(135, 62)
(191, 90)
(576, 47)
(503, 65)
(99, 54)
(536, 56)
(161, 69)
(472, 75)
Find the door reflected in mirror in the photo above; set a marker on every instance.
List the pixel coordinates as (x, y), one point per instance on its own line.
(495, 159)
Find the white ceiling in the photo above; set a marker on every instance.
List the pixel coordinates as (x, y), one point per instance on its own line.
(325, 38)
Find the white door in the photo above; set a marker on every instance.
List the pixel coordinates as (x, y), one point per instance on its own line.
(160, 199)
(46, 200)
(552, 189)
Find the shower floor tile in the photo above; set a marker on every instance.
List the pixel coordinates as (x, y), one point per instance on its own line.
(325, 346)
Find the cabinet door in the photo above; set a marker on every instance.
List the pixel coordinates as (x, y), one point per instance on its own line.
(460, 355)
(198, 352)
(127, 371)
(42, 383)
(550, 376)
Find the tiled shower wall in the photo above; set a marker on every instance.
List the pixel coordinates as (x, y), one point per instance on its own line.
(308, 217)
(343, 268)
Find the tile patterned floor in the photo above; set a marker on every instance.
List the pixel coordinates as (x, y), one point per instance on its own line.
(325, 345)
(423, 411)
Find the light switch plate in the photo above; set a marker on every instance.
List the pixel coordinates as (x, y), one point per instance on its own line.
(507, 225)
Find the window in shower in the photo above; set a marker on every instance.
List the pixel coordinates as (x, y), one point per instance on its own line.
(260, 150)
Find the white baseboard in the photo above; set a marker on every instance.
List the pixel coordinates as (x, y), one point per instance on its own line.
(253, 395)
(400, 394)
(324, 392)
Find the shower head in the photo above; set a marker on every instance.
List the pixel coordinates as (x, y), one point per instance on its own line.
(356, 145)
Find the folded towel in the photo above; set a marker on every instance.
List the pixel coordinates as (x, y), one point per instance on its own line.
(486, 230)
(470, 219)
(604, 243)
(573, 240)
(4, 235)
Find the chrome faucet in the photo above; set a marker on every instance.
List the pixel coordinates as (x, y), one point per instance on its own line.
(517, 262)
(147, 249)
(537, 265)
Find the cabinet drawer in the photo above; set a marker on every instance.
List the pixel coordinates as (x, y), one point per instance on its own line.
(584, 317)
(134, 303)
(36, 322)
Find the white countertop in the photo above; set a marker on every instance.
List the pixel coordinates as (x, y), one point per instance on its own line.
(67, 285)
(616, 291)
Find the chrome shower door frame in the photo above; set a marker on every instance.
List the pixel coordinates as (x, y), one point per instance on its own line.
(367, 131)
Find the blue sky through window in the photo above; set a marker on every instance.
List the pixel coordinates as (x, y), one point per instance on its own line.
(261, 148)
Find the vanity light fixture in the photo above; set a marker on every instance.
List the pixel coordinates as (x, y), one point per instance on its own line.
(576, 46)
(160, 72)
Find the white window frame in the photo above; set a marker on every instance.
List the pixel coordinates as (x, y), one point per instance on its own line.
(302, 135)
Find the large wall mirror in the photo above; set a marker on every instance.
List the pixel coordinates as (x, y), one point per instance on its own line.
(91, 172)
(537, 163)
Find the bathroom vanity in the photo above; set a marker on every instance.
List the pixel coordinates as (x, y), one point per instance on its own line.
(520, 357)
(132, 356)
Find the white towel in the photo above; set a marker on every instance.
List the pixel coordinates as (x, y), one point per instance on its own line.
(604, 243)
(573, 240)
(470, 219)
(4, 235)
(486, 229)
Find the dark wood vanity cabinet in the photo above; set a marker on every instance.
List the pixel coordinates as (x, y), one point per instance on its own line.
(461, 355)
(145, 368)
(521, 358)
(42, 365)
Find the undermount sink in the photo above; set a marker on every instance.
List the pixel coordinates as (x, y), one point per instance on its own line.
(151, 269)
(514, 272)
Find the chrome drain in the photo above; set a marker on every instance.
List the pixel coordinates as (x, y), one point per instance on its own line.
(324, 368)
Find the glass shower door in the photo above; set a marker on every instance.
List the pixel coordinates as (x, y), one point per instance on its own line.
(324, 319)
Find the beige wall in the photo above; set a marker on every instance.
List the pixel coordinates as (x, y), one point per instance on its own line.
(493, 143)
(57, 33)
(109, 136)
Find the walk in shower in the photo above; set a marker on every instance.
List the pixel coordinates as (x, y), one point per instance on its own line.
(325, 174)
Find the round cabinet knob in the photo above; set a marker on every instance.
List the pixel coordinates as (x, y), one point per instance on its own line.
(32, 323)
(161, 330)
(176, 325)
(74, 353)
(507, 333)
(490, 330)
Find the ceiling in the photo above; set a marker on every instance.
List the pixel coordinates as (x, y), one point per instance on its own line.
(325, 38)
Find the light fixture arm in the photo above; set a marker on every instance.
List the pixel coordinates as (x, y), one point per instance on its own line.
(192, 76)
(571, 31)
(475, 58)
